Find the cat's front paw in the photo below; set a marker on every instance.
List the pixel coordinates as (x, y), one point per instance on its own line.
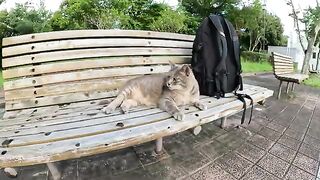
(201, 106)
(108, 110)
(179, 116)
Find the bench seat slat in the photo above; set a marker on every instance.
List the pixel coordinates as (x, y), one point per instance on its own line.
(105, 142)
(76, 34)
(92, 53)
(82, 64)
(92, 43)
(27, 117)
(84, 75)
(98, 126)
(298, 78)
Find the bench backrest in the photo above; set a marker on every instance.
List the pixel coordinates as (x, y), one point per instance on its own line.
(71, 66)
(282, 64)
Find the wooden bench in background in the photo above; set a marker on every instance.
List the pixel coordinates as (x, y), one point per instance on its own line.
(284, 71)
(57, 83)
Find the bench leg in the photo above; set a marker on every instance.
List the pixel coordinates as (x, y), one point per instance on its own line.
(287, 90)
(196, 130)
(159, 145)
(223, 122)
(279, 91)
(56, 175)
(292, 88)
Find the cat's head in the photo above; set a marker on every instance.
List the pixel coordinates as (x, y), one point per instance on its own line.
(180, 77)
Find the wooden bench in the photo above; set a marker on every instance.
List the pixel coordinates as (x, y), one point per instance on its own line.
(284, 71)
(57, 83)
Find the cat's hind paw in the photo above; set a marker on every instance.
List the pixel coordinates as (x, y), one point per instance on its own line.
(179, 116)
(201, 106)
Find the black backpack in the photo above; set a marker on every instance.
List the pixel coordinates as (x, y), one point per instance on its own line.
(216, 59)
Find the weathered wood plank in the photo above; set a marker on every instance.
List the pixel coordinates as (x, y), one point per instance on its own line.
(92, 118)
(83, 75)
(96, 126)
(73, 65)
(67, 110)
(105, 84)
(99, 143)
(91, 43)
(281, 55)
(58, 99)
(92, 53)
(75, 34)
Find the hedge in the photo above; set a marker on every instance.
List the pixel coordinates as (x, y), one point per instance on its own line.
(254, 56)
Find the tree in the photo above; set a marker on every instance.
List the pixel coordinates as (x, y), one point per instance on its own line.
(169, 21)
(311, 20)
(257, 28)
(204, 8)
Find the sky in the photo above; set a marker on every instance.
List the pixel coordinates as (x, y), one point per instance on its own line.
(277, 7)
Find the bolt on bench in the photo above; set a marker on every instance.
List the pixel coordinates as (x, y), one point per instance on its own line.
(56, 84)
(283, 70)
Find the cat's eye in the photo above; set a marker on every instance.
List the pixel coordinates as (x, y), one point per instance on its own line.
(174, 79)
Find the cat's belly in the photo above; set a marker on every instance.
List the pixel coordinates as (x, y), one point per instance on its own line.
(146, 100)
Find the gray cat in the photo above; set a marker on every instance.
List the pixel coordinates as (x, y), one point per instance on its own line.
(166, 90)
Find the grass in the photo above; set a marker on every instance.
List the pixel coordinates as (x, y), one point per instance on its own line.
(313, 80)
(1, 79)
(252, 67)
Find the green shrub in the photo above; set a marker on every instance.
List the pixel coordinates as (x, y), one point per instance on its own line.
(254, 56)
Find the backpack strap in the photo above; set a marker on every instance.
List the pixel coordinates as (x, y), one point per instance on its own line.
(216, 21)
(241, 98)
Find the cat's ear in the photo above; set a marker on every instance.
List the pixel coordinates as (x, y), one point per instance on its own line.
(173, 65)
(186, 69)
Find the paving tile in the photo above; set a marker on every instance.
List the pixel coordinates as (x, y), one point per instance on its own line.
(251, 152)
(308, 164)
(36, 172)
(269, 133)
(193, 161)
(187, 157)
(283, 152)
(261, 120)
(68, 169)
(231, 139)
(289, 142)
(295, 173)
(258, 173)
(108, 164)
(214, 149)
(212, 131)
(234, 164)
(309, 151)
(137, 174)
(147, 155)
(294, 134)
(254, 126)
(312, 141)
(314, 132)
(261, 141)
(166, 169)
(274, 165)
(212, 172)
(277, 127)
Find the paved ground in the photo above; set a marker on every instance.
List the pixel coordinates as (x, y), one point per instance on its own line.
(282, 142)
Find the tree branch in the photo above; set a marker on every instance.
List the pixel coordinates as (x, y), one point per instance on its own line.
(296, 21)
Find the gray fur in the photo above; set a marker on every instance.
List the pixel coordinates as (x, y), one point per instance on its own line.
(168, 91)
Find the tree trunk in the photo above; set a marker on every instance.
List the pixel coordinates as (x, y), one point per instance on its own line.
(307, 56)
(318, 61)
